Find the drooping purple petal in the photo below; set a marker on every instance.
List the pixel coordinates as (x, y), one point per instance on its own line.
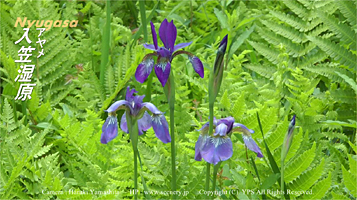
(225, 149)
(197, 65)
(144, 69)
(150, 47)
(152, 108)
(198, 155)
(242, 128)
(228, 121)
(221, 130)
(154, 36)
(121, 104)
(161, 128)
(123, 123)
(181, 45)
(162, 71)
(144, 123)
(201, 142)
(251, 145)
(217, 149)
(109, 129)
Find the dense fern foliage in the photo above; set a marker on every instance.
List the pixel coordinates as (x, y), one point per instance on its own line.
(284, 58)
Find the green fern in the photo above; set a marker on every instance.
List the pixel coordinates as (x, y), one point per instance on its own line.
(337, 52)
(319, 190)
(299, 164)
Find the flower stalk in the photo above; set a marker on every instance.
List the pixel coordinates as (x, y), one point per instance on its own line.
(214, 84)
(215, 171)
(285, 149)
(162, 68)
(169, 90)
(208, 165)
(133, 131)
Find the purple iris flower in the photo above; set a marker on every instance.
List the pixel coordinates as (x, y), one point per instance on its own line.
(134, 106)
(218, 147)
(247, 138)
(165, 54)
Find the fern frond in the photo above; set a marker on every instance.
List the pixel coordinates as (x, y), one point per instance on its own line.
(311, 59)
(348, 80)
(299, 9)
(286, 31)
(348, 9)
(307, 179)
(267, 52)
(329, 70)
(319, 190)
(350, 181)
(292, 48)
(275, 139)
(293, 21)
(298, 165)
(335, 51)
(262, 70)
(342, 30)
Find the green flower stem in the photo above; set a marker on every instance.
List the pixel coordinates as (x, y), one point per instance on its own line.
(208, 173)
(215, 170)
(169, 90)
(133, 131)
(282, 177)
(147, 97)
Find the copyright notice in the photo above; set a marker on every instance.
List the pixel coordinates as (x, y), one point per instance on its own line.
(250, 192)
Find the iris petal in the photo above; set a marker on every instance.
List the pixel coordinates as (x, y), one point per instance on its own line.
(251, 145)
(181, 45)
(144, 123)
(198, 155)
(164, 53)
(154, 36)
(205, 127)
(162, 71)
(197, 65)
(225, 150)
(242, 128)
(168, 33)
(122, 104)
(228, 121)
(171, 34)
(150, 47)
(129, 96)
(144, 69)
(163, 32)
(221, 130)
(161, 128)
(152, 108)
(123, 123)
(201, 142)
(217, 149)
(109, 129)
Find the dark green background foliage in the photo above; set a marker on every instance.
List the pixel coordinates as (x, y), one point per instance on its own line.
(283, 58)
